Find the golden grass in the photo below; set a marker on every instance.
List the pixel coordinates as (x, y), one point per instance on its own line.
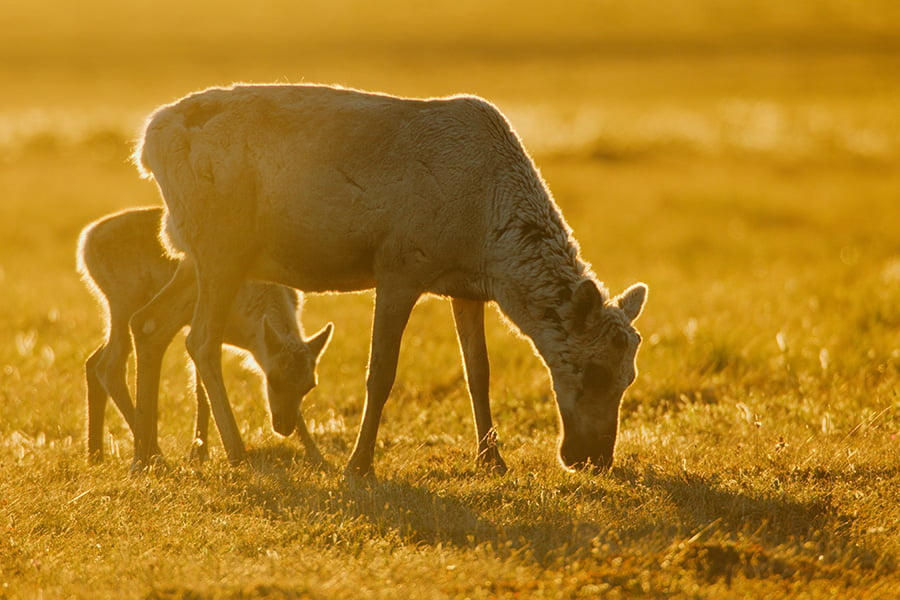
(741, 158)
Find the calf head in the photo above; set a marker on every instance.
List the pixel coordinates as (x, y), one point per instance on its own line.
(596, 367)
(289, 366)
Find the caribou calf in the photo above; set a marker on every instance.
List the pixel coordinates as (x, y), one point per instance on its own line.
(123, 263)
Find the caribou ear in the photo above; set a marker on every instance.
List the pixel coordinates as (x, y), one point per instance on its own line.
(585, 299)
(318, 342)
(632, 300)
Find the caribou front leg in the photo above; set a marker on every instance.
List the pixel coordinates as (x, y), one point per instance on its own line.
(392, 310)
(469, 318)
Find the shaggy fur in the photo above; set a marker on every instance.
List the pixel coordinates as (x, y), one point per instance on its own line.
(124, 265)
(327, 189)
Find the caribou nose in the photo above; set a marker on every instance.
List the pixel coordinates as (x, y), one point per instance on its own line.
(578, 456)
(571, 455)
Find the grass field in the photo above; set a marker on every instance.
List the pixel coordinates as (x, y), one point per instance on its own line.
(743, 159)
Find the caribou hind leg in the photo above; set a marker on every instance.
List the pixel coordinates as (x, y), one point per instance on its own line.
(153, 328)
(217, 286)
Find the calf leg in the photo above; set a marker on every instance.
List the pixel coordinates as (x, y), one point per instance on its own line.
(96, 405)
(469, 318)
(313, 455)
(107, 372)
(392, 310)
(153, 328)
(200, 442)
(113, 367)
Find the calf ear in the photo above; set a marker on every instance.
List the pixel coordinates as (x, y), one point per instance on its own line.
(632, 300)
(318, 342)
(585, 299)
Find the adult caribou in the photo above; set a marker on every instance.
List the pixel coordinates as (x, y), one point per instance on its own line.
(328, 189)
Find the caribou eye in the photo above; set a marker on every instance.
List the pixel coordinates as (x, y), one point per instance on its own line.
(620, 340)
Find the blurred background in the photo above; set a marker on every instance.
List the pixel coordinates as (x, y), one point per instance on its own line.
(608, 79)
